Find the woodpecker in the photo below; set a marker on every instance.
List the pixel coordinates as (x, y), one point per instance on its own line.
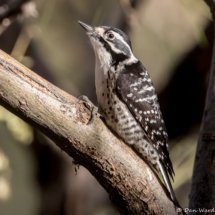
(127, 99)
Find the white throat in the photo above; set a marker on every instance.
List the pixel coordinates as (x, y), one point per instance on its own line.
(102, 65)
(103, 58)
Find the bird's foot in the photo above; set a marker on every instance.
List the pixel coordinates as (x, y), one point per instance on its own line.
(94, 110)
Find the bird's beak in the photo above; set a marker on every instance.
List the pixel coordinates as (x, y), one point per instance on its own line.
(86, 27)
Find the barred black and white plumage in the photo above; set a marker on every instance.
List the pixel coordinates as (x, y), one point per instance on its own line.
(135, 88)
(127, 98)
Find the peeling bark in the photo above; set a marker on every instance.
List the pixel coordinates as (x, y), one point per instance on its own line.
(131, 184)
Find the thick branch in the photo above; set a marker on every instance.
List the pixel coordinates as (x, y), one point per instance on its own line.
(132, 186)
(203, 182)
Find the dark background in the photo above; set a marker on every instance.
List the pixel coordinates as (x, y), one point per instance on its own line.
(173, 39)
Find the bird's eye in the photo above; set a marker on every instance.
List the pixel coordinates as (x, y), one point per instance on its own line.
(111, 36)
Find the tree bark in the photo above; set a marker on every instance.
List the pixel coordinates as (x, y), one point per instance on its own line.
(131, 184)
(203, 182)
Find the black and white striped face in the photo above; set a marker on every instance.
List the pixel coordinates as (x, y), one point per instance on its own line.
(111, 45)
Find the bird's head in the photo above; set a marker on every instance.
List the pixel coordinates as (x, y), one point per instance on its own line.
(111, 45)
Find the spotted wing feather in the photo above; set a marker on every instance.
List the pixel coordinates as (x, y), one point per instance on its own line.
(136, 90)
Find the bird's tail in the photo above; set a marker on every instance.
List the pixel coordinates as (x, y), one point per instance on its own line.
(169, 185)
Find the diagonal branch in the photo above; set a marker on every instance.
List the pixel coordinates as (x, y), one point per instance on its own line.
(132, 186)
(203, 182)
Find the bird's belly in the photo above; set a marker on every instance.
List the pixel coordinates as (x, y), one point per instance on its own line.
(121, 121)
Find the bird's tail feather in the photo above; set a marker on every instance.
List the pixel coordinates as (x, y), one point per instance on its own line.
(168, 184)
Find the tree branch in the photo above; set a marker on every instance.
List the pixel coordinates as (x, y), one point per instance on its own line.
(131, 184)
(203, 182)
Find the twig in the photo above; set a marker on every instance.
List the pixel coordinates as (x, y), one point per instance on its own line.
(11, 9)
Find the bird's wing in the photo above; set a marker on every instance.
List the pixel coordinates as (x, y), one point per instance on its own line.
(135, 88)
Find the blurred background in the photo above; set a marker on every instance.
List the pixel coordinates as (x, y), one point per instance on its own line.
(173, 39)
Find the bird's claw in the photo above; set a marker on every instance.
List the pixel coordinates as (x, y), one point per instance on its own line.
(94, 110)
